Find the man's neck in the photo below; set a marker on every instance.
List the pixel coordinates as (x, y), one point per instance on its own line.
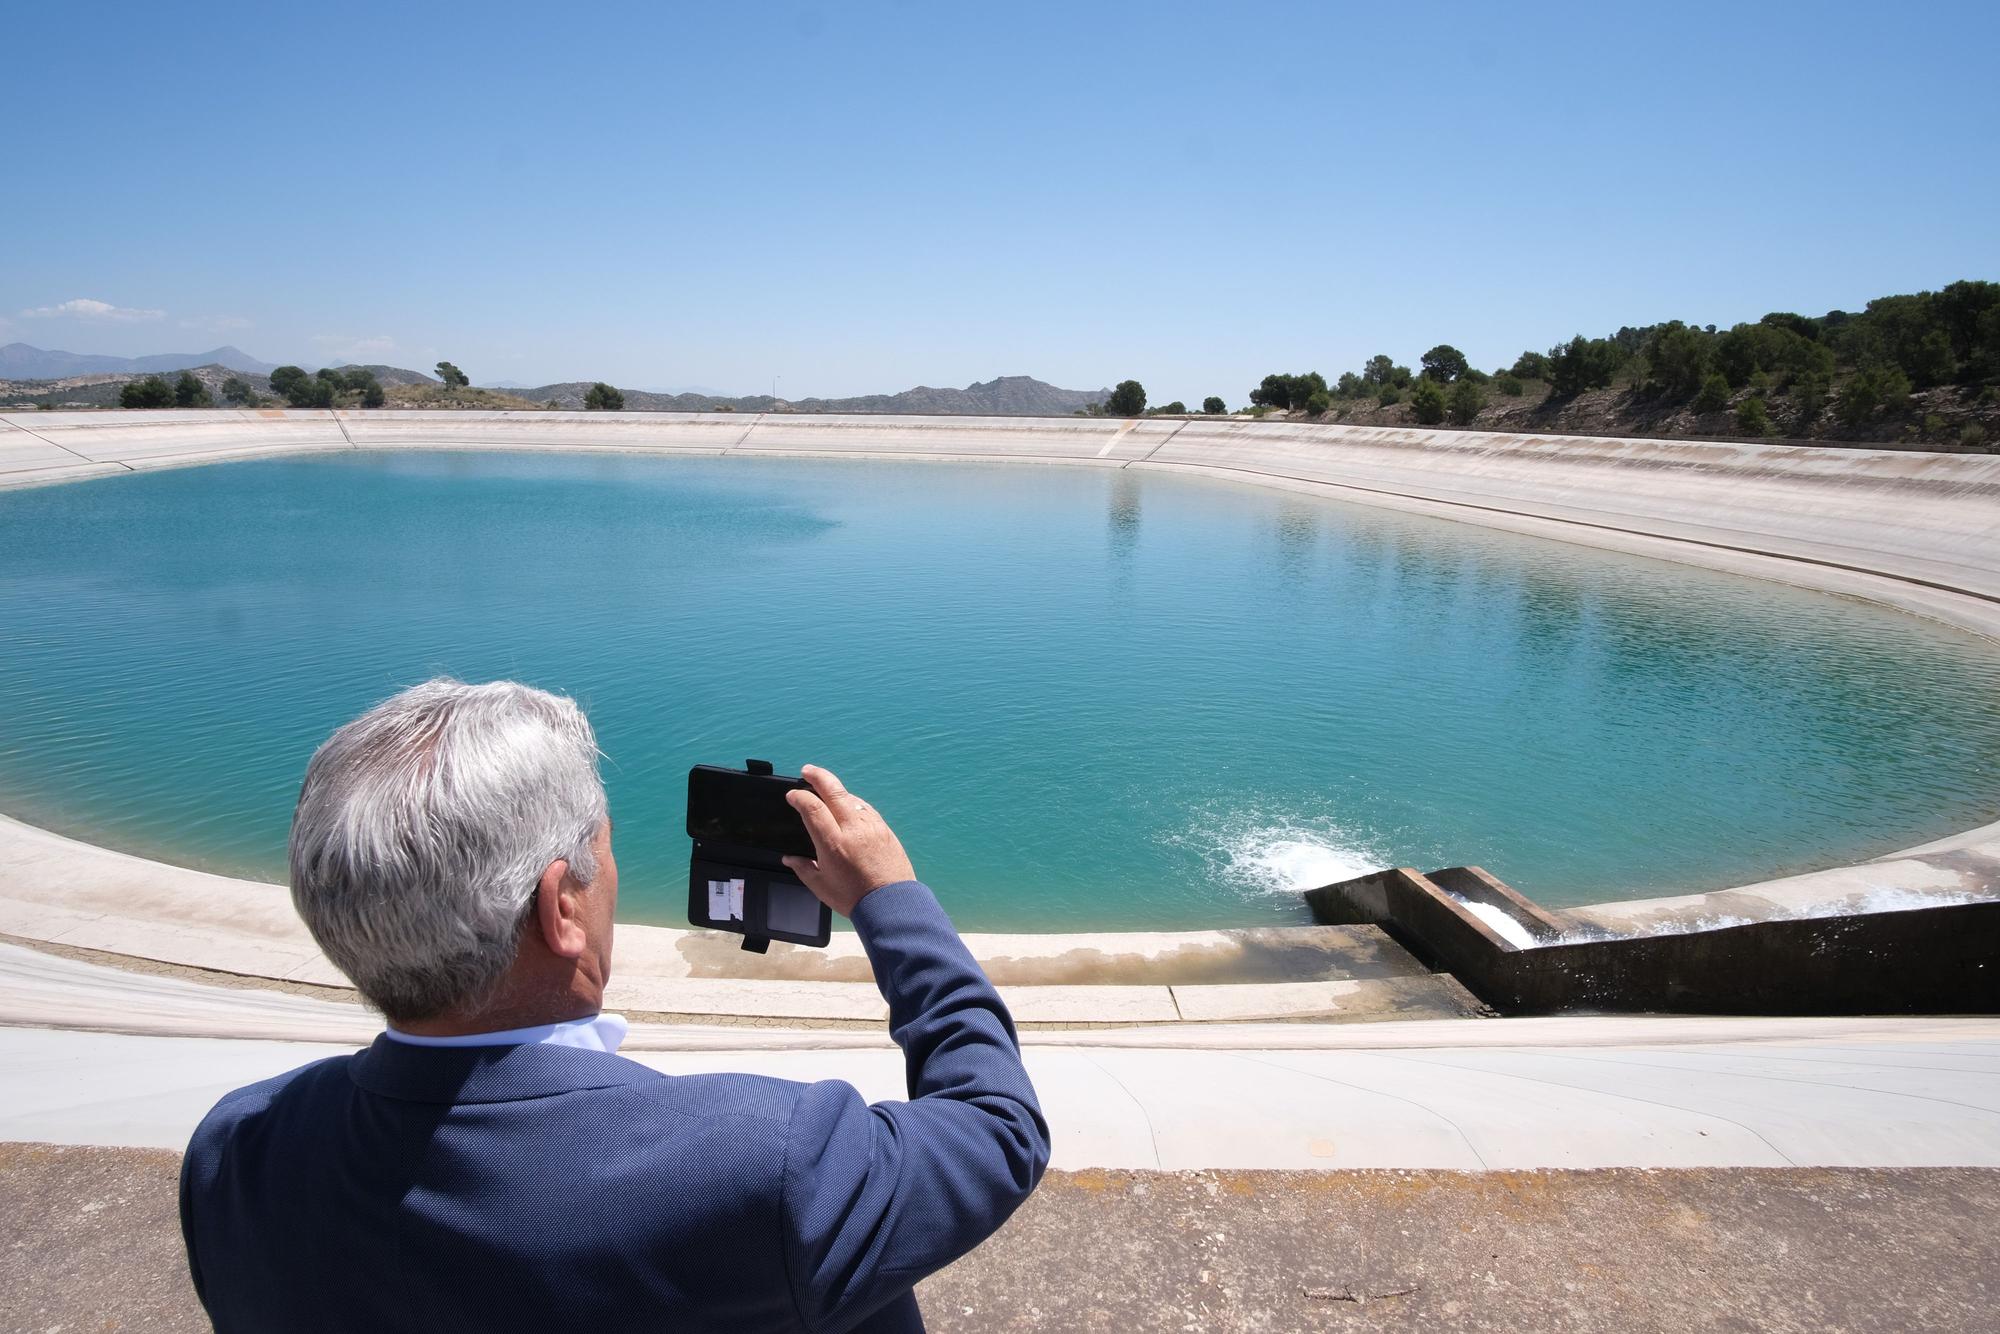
(500, 1018)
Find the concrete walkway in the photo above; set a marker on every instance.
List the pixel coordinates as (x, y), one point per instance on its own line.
(1483, 1094)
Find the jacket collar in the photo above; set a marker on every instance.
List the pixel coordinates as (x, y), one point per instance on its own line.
(487, 1074)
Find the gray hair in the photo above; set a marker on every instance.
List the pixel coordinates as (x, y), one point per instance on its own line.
(423, 828)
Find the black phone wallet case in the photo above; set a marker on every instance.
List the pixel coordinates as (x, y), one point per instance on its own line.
(750, 892)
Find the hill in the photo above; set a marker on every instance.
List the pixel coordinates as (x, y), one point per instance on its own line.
(1006, 396)
(19, 361)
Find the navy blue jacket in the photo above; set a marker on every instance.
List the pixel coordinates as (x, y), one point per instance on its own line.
(553, 1188)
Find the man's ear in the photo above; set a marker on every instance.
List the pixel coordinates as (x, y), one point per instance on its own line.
(559, 913)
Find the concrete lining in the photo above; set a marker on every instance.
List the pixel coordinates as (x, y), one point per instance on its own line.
(1916, 531)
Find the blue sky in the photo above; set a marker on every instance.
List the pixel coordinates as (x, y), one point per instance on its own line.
(863, 197)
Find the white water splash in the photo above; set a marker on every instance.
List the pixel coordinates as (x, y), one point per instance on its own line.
(1279, 857)
(1501, 923)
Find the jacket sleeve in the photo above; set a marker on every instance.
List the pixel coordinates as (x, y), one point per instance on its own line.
(876, 1197)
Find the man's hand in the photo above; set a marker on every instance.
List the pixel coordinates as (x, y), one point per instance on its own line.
(855, 851)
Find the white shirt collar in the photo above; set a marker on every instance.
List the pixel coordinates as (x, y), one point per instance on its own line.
(598, 1032)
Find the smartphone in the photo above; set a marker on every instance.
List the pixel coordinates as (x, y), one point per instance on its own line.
(740, 809)
(743, 828)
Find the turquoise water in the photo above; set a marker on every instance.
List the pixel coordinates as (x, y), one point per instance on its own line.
(1087, 699)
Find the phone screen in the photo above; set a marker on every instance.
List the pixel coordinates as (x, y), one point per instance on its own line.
(745, 810)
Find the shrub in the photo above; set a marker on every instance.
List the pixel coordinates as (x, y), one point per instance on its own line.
(1509, 384)
(1752, 417)
(1465, 401)
(237, 390)
(602, 397)
(1873, 388)
(1933, 426)
(1427, 402)
(283, 378)
(1213, 405)
(1389, 396)
(1809, 393)
(151, 392)
(372, 395)
(190, 392)
(1318, 402)
(1972, 437)
(1127, 400)
(336, 379)
(1714, 395)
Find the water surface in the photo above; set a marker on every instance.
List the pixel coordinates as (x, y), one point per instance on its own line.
(1087, 699)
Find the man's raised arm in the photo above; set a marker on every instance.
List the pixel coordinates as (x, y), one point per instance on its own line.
(877, 1197)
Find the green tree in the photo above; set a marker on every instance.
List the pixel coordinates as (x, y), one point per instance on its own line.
(1318, 402)
(190, 392)
(1931, 361)
(1509, 384)
(1173, 409)
(453, 377)
(1127, 400)
(237, 390)
(334, 378)
(1752, 417)
(1714, 393)
(309, 391)
(1213, 405)
(1679, 358)
(151, 392)
(1583, 363)
(283, 378)
(1444, 363)
(602, 397)
(1388, 396)
(1350, 386)
(1464, 402)
(1427, 402)
(372, 395)
(1530, 366)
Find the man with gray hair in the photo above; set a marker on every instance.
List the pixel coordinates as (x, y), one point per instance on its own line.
(490, 1163)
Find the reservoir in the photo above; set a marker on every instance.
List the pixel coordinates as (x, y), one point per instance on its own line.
(1088, 699)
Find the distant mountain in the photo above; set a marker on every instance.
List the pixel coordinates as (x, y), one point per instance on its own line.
(1008, 396)
(18, 361)
(97, 380)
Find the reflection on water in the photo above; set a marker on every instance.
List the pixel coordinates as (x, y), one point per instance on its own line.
(1088, 698)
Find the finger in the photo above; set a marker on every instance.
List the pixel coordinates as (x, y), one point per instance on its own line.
(806, 869)
(823, 782)
(821, 825)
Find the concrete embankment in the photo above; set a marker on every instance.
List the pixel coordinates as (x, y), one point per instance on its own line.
(1915, 531)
